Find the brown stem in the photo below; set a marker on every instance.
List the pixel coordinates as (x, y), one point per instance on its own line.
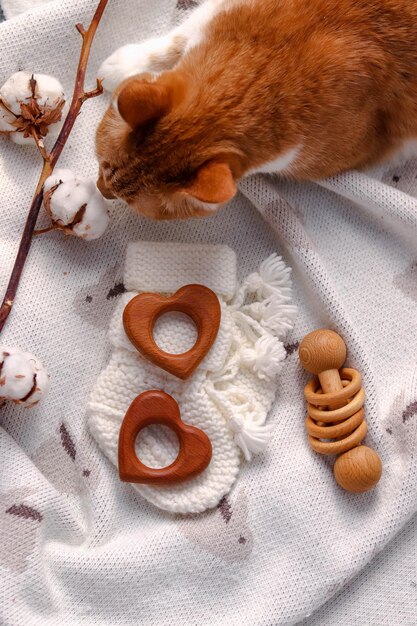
(43, 231)
(24, 247)
(94, 92)
(40, 145)
(81, 29)
(79, 96)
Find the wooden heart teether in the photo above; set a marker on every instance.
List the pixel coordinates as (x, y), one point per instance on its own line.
(335, 421)
(198, 302)
(157, 407)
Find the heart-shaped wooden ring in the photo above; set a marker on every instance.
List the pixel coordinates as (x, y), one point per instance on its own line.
(198, 302)
(157, 407)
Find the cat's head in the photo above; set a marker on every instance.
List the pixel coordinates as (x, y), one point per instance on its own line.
(162, 149)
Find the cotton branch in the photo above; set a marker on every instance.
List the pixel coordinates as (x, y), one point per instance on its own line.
(40, 145)
(50, 160)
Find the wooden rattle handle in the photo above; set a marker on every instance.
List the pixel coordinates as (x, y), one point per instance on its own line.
(323, 352)
(335, 423)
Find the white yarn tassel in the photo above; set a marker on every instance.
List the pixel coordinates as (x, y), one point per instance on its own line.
(275, 314)
(266, 357)
(257, 347)
(274, 277)
(249, 436)
(245, 418)
(272, 286)
(263, 322)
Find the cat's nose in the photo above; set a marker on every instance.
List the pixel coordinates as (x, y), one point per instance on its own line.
(101, 185)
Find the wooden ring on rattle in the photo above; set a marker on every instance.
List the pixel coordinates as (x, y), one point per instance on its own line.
(333, 432)
(338, 447)
(325, 399)
(338, 415)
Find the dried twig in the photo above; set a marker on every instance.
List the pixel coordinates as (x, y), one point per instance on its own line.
(50, 160)
(43, 231)
(40, 145)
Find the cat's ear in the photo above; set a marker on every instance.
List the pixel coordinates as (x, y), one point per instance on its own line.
(213, 184)
(141, 102)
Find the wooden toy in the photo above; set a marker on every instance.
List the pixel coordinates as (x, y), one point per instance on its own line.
(198, 302)
(335, 421)
(157, 407)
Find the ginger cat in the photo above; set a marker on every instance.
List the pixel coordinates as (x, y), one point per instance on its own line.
(304, 88)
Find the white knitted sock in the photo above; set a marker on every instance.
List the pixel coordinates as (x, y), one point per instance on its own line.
(228, 397)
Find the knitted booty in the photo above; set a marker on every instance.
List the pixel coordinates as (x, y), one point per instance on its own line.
(229, 395)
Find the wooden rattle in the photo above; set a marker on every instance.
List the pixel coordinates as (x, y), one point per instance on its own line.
(196, 301)
(157, 407)
(335, 423)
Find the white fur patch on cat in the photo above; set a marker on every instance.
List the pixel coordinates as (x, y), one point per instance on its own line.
(130, 60)
(159, 53)
(282, 163)
(407, 150)
(193, 28)
(206, 206)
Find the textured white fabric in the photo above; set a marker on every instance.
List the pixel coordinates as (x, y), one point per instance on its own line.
(384, 594)
(12, 8)
(77, 546)
(227, 397)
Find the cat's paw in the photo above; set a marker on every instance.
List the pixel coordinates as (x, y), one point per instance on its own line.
(127, 61)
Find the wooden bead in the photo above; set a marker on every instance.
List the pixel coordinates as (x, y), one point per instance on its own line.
(198, 302)
(322, 350)
(157, 407)
(358, 470)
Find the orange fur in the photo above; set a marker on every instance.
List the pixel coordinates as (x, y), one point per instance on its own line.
(336, 77)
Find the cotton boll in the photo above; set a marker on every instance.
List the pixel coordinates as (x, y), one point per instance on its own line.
(23, 379)
(50, 90)
(27, 104)
(42, 381)
(16, 377)
(95, 219)
(75, 205)
(6, 120)
(60, 175)
(67, 200)
(16, 89)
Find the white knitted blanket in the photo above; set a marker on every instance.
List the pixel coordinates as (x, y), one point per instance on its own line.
(232, 391)
(78, 546)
